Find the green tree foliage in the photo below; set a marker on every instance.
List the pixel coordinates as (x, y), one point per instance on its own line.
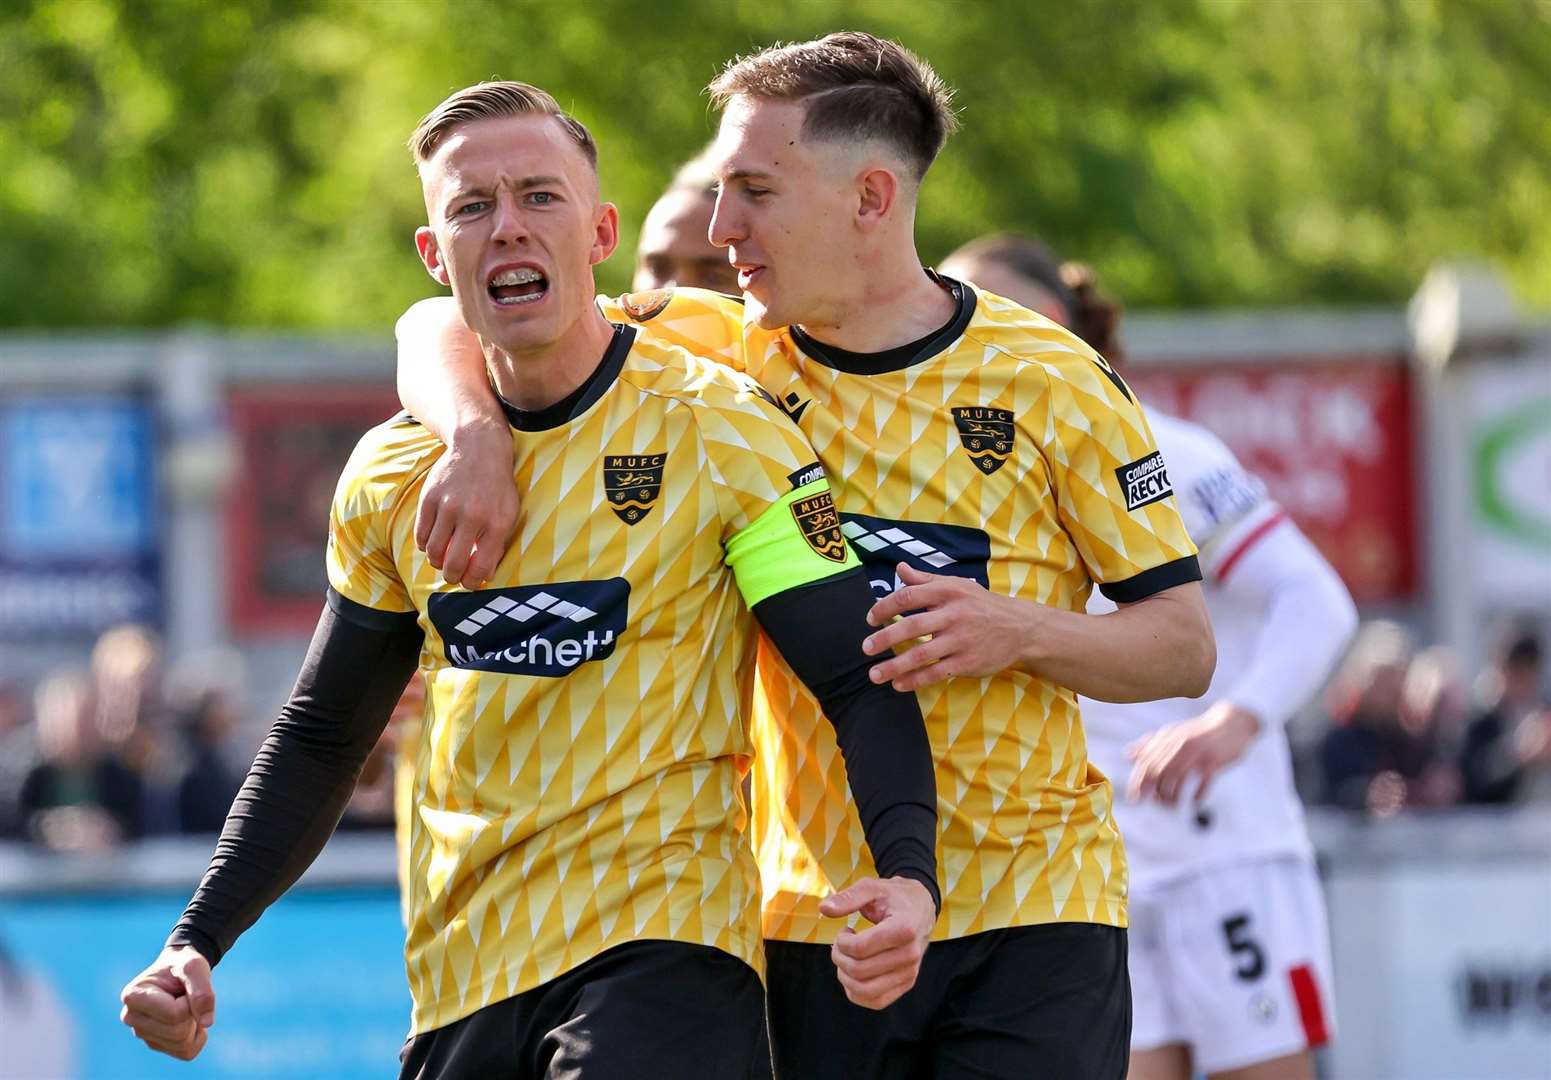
(243, 163)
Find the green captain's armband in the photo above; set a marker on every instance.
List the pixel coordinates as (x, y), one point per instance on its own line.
(796, 541)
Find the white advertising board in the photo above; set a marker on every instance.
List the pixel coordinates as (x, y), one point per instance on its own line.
(1443, 970)
(1509, 433)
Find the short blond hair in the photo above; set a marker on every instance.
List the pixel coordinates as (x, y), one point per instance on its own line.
(855, 86)
(490, 101)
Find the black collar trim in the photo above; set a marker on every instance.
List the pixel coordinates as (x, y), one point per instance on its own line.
(902, 356)
(583, 397)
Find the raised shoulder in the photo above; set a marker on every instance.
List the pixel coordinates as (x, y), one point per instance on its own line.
(704, 322)
(675, 373)
(385, 459)
(669, 305)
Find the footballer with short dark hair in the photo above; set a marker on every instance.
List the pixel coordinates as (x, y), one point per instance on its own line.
(991, 470)
(583, 896)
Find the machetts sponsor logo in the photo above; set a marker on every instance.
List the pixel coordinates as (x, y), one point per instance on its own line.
(632, 484)
(1144, 481)
(883, 544)
(820, 525)
(987, 434)
(545, 630)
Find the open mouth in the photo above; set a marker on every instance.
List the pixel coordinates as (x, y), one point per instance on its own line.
(747, 275)
(510, 288)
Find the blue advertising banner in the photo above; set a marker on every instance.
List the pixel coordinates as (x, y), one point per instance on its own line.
(316, 989)
(78, 515)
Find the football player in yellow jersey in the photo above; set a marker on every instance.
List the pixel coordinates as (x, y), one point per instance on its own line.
(672, 250)
(583, 899)
(992, 470)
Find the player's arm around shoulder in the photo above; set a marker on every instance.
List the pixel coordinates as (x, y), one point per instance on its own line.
(807, 590)
(1109, 492)
(468, 507)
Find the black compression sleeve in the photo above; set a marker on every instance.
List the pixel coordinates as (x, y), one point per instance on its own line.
(888, 758)
(301, 778)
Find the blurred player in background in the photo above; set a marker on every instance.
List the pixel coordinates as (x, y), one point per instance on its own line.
(674, 248)
(1230, 966)
(584, 900)
(979, 454)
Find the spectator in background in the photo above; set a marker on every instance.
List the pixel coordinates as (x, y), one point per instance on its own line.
(1507, 751)
(206, 715)
(1367, 756)
(127, 669)
(78, 797)
(18, 753)
(1433, 705)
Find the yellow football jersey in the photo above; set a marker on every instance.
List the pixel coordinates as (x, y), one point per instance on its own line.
(577, 776)
(1002, 449)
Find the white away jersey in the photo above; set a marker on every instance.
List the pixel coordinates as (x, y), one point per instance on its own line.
(1251, 809)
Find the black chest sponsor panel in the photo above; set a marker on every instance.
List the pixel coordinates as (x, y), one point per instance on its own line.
(546, 630)
(882, 544)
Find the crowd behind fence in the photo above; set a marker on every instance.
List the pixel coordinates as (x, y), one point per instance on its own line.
(137, 744)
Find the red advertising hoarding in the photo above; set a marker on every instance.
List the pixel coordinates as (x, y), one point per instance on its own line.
(293, 441)
(1332, 438)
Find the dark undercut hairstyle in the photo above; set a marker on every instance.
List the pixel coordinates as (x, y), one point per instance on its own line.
(855, 86)
(491, 101)
(1090, 314)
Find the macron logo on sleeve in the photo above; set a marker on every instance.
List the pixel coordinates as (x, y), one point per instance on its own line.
(1144, 481)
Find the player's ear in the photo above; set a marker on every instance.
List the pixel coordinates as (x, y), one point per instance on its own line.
(431, 254)
(878, 189)
(605, 234)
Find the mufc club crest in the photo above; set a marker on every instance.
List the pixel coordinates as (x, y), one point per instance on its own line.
(632, 484)
(820, 525)
(987, 434)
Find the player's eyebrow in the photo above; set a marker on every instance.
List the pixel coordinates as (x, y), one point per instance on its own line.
(745, 174)
(524, 184)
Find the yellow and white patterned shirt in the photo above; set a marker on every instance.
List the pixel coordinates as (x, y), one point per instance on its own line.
(577, 775)
(1005, 450)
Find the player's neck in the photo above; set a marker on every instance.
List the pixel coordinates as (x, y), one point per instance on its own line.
(535, 379)
(896, 302)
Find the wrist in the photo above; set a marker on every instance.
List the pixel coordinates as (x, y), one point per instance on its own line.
(1241, 721)
(479, 432)
(928, 885)
(1036, 637)
(184, 936)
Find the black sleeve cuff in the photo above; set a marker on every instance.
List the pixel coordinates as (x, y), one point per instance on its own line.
(203, 943)
(369, 618)
(1150, 582)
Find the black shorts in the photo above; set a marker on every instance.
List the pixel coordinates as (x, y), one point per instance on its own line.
(1025, 1003)
(647, 1009)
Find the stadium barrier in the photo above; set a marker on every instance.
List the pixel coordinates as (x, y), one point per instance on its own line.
(1441, 929)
